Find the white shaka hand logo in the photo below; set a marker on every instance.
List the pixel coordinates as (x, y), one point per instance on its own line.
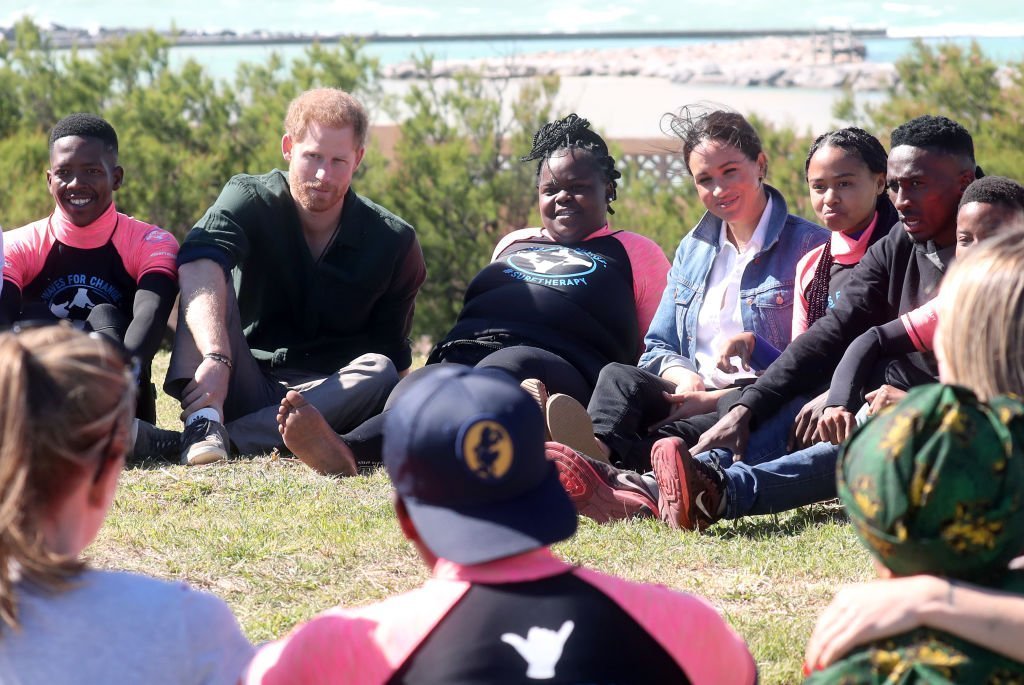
(541, 649)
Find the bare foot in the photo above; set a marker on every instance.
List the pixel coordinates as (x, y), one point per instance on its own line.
(311, 438)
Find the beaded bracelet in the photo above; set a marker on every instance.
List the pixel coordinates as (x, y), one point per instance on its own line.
(218, 357)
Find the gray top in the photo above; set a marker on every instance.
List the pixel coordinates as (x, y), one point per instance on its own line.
(113, 627)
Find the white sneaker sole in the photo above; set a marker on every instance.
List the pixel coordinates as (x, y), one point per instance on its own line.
(209, 456)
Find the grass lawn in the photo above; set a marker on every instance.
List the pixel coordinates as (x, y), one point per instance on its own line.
(280, 543)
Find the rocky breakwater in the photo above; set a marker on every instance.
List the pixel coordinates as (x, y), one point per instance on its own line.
(827, 61)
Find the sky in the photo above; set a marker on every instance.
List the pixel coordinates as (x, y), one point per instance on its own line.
(993, 17)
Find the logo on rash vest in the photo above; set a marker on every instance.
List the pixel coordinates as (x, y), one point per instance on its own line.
(554, 265)
(156, 235)
(487, 450)
(73, 296)
(541, 649)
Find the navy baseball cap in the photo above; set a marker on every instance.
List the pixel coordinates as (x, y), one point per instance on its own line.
(464, 449)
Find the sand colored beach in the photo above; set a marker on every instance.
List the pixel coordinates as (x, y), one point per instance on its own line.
(632, 106)
(625, 92)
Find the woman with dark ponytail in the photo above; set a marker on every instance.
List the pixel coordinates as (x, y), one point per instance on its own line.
(67, 400)
(845, 172)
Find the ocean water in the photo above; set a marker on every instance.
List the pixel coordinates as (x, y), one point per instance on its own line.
(997, 24)
(221, 61)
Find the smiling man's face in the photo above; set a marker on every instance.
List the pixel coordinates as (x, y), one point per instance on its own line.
(82, 178)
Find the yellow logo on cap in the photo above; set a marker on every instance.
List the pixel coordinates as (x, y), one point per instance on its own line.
(487, 450)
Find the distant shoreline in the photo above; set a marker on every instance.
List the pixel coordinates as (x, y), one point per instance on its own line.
(64, 38)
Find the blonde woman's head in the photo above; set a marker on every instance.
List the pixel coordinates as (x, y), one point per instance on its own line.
(981, 319)
(66, 404)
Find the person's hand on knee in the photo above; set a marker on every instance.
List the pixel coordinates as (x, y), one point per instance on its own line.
(883, 397)
(836, 424)
(207, 389)
(731, 432)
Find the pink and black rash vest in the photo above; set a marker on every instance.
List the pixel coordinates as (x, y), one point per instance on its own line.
(524, 619)
(70, 269)
(574, 300)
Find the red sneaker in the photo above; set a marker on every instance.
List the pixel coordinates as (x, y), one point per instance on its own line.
(689, 491)
(600, 491)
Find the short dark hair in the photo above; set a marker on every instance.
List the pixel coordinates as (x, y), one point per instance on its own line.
(573, 132)
(995, 190)
(85, 125)
(937, 133)
(694, 125)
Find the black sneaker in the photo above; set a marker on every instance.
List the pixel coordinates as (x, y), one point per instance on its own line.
(148, 441)
(204, 442)
(600, 491)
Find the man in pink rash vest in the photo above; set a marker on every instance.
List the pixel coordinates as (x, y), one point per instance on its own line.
(88, 263)
(481, 504)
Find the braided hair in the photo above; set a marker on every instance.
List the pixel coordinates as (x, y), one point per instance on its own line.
(855, 141)
(573, 132)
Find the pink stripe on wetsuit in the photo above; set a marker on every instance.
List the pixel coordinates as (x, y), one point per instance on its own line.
(921, 323)
(369, 644)
(142, 248)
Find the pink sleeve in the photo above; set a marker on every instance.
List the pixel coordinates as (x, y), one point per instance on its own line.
(25, 253)
(804, 275)
(686, 626)
(145, 248)
(650, 272)
(312, 653)
(363, 645)
(920, 324)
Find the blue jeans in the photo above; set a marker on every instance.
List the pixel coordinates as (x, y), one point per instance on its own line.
(769, 479)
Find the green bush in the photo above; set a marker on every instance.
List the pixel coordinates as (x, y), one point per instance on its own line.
(454, 173)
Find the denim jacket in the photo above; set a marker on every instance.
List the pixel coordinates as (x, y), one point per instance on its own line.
(766, 286)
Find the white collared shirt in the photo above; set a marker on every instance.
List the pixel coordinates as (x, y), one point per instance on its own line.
(720, 317)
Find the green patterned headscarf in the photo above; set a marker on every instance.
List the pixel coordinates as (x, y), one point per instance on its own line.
(935, 484)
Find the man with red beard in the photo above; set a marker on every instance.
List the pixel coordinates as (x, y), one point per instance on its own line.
(291, 282)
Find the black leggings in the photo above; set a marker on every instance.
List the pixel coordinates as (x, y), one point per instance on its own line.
(521, 362)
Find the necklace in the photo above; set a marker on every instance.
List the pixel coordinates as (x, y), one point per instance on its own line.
(330, 241)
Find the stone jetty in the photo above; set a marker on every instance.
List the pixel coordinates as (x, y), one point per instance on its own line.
(824, 61)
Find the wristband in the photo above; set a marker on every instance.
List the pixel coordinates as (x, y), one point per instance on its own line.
(218, 357)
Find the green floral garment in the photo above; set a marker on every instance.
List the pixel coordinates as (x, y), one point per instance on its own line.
(925, 656)
(935, 484)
